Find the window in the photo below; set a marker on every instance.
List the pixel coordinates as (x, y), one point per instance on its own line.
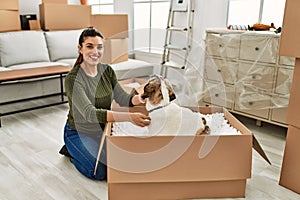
(249, 12)
(102, 6)
(150, 22)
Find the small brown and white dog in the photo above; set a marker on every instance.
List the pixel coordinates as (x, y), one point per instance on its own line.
(167, 118)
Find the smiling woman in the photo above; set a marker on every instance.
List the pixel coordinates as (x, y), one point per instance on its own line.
(91, 87)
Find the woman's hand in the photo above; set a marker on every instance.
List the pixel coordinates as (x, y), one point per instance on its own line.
(140, 119)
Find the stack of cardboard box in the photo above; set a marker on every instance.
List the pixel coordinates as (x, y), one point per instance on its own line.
(290, 46)
(9, 15)
(58, 15)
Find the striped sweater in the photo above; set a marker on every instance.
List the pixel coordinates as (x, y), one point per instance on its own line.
(90, 97)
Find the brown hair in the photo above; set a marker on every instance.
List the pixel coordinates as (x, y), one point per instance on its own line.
(88, 32)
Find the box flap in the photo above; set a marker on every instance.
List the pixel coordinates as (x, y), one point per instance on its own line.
(259, 149)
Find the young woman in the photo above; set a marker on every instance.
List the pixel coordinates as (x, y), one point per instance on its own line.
(90, 88)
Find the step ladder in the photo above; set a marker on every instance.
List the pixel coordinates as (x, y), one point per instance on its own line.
(178, 40)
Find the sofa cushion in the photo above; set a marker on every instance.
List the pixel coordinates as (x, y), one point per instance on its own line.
(22, 47)
(62, 44)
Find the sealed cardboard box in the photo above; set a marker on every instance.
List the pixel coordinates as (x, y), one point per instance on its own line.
(9, 20)
(55, 1)
(293, 117)
(9, 5)
(111, 25)
(64, 17)
(290, 173)
(180, 167)
(289, 39)
(115, 51)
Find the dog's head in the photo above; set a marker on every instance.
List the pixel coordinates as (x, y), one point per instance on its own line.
(154, 90)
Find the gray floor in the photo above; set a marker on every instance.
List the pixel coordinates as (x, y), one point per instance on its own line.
(31, 168)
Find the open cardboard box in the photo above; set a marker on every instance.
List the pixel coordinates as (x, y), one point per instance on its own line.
(133, 85)
(180, 167)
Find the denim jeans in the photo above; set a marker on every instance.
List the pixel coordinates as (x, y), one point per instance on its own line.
(84, 149)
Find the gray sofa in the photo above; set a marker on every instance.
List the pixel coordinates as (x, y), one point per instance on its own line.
(30, 49)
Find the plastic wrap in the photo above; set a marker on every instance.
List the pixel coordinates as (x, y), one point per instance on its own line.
(246, 66)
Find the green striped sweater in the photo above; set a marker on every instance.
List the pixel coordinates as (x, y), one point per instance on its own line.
(90, 97)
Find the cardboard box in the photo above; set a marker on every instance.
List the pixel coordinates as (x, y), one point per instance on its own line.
(115, 50)
(9, 5)
(289, 39)
(111, 25)
(34, 24)
(290, 171)
(64, 17)
(133, 85)
(9, 20)
(180, 167)
(55, 1)
(294, 106)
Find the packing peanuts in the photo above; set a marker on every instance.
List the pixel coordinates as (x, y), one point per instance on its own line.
(181, 167)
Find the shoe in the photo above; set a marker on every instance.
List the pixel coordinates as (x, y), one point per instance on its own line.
(64, 151)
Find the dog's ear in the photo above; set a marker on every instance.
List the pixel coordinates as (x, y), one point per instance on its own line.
(172, 95)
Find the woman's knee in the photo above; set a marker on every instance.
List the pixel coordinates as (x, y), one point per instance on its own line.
(101, 172)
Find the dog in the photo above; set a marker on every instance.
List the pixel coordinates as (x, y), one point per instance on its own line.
(168, 118)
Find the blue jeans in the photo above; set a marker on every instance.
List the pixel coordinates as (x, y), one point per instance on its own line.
(84, 149)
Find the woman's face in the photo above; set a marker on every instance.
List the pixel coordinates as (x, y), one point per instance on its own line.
(92, 50)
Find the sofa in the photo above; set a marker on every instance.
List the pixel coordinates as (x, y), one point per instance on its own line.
(31, 49)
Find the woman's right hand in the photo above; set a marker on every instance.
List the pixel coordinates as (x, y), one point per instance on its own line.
(140, 119)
